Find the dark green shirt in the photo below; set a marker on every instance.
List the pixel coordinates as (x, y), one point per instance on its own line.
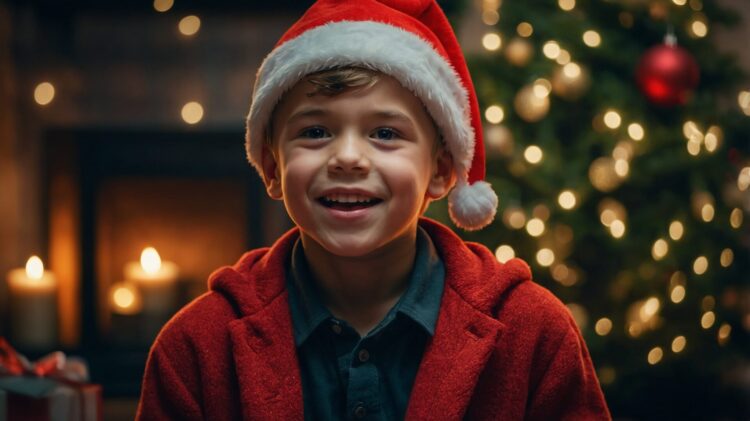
(345, 376)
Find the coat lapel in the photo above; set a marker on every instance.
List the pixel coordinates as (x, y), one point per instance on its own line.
(266, 363)
(463, 341)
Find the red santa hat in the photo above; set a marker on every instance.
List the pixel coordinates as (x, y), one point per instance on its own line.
(409, 40)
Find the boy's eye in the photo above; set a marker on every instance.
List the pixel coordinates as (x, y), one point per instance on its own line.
(314, 133)
(385, 133)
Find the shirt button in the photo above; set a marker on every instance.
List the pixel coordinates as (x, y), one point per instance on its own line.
(336, 329)
(360, 411)
(363, 355)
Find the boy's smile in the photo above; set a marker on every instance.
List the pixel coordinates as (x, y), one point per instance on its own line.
(347, 203)
(355, 169)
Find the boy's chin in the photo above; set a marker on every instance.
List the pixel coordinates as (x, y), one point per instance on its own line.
(359, 241)
(349, 247)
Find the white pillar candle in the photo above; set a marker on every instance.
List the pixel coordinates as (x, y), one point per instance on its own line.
(126, 305)
(33, 302)
(156, 280)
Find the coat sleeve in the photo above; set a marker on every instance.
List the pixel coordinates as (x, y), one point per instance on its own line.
(171, 384)
(569, 388)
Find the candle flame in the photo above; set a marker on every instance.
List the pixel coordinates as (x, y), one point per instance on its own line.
(123, 297)
(34, 268)
(150, 260)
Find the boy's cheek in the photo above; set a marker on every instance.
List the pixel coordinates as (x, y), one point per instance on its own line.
(299, 174)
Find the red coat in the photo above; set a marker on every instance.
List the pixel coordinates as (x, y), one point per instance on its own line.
(504, 347)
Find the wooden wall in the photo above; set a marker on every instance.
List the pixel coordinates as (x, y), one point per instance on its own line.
(20, 210)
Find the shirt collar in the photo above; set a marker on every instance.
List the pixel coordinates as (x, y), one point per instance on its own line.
(420, 302)
(304, 298)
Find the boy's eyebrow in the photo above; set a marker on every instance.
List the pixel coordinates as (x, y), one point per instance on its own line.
(392, 114)
(308, 112)
(317, 112)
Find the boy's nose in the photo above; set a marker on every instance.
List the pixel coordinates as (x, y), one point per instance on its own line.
(349, 155)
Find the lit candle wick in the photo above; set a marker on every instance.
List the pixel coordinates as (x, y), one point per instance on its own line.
(150, 260)
(34, 268)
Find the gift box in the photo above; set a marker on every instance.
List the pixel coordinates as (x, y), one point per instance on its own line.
(55, 388)
(41, 399)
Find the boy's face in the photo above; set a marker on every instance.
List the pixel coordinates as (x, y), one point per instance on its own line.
(375, 145)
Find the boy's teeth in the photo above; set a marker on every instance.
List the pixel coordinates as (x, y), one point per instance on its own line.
(348, 198)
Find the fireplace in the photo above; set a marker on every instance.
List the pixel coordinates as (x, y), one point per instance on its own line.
(111, 194)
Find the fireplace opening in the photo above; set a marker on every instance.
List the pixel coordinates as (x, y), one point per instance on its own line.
(137, 222)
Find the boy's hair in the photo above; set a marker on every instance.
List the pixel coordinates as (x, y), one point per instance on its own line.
(337, 80)
(334, 81)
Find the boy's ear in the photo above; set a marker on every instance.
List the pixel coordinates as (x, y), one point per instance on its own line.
(443, 177)
(271, 175)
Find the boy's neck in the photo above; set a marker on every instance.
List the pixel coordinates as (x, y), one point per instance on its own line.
(362, 289)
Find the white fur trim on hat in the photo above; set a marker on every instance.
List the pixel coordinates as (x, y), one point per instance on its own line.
(472, 206)
(386, 48)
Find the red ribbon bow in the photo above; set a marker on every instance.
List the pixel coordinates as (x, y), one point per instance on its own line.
(53, 365)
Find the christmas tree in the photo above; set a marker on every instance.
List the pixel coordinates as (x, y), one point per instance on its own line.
(617, 140)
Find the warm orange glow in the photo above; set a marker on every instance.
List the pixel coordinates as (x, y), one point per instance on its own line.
(125, 298)
(504, 253)
(163, 5)
(535, 227)
(567, 199)
(189, 25)
(603, 326)
(592, 38)
(44, 93)
(492, 41)
(192, 112)
(525, 29)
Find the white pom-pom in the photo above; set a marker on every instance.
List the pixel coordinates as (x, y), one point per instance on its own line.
(472, 207)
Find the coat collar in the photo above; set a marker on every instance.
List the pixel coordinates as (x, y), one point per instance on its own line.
(465, 336)
(266, 363)
(269, 377)
(453, 360)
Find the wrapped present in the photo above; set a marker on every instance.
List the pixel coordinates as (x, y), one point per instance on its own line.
(53, 388)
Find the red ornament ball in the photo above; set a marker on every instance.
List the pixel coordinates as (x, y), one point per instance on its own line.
(667, 74)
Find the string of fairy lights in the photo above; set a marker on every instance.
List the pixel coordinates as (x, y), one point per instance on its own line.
(570, 80)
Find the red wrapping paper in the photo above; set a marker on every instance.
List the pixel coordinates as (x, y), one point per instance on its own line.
(82, 402)
(53, 388)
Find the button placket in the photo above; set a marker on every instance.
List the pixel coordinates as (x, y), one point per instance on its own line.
(363, 355)
(360, 411)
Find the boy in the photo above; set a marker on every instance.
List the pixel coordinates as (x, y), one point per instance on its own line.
(362, 115)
